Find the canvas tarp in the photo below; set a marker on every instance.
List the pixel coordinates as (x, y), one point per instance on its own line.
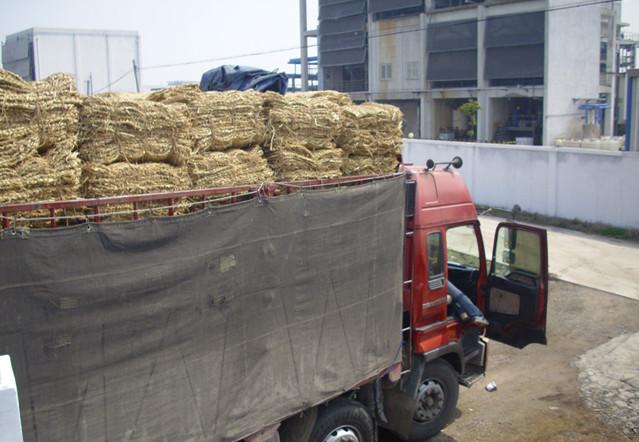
(204, 327)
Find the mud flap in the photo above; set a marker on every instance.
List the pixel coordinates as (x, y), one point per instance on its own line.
(299, 428)
(399, 401)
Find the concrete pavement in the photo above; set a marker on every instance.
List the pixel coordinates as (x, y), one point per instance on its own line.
(609, 381)
(593, 261)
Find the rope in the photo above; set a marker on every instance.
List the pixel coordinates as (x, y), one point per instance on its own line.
(125, 212)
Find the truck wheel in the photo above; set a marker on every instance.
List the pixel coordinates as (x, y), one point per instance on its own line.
(436, 400)
(343, 421)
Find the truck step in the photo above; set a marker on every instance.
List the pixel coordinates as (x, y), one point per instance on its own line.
(472, 374)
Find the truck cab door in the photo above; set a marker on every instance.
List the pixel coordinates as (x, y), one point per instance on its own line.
(517, 286)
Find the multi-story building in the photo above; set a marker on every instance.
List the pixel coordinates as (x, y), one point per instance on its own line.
(530, 64)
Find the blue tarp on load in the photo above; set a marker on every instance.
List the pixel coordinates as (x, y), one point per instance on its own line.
(240, 78)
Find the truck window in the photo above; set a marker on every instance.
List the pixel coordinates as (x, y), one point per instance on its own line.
(462, 247)
(517, 251)
(435, 256)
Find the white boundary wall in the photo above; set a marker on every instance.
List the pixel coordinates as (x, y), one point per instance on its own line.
(589, 185)
(10, 426)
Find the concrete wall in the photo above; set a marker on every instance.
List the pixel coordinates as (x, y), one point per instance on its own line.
(10, 426)
(590, 185)
(632, 125)
(573, 37)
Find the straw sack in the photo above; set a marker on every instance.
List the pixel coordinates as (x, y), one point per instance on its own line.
(339, 98)
(57, 116)
(127, 95)
(365, 165)
(120, 179)
(17, 145)
(10, 82)
(128, 179)
(38, 134)
(52, 176)
(35, 117)
(296, 162)
(219, 120)
(371, 129)
(116, 128)
(183, 94)
(302, 120)
(230, 168)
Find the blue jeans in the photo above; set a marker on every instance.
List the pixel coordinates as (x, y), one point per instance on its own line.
(461, 303)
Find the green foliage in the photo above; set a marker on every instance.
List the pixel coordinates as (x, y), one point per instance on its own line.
(470, 109)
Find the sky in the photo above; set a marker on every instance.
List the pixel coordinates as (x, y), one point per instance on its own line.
(190, 30)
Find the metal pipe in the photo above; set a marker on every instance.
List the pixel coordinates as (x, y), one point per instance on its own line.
(303, 46)
(629, 99)
(136, 75)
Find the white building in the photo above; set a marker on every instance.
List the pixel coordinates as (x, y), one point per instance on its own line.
(530, 64)
(100, 61)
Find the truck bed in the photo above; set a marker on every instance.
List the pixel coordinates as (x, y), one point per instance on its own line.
(208, 326)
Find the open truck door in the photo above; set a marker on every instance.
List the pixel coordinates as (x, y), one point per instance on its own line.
(517, 285)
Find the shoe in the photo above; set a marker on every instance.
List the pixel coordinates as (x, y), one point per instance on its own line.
(480, 321)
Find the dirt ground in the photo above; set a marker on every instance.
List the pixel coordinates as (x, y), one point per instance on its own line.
(537, 398)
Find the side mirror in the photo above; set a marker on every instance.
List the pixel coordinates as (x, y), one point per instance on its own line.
(457, 162)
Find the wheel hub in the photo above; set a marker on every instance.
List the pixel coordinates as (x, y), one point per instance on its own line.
(430, 401)
(343, 434)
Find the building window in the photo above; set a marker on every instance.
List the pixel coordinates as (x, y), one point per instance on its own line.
(387, 71)
(412, 70)
(441, 4)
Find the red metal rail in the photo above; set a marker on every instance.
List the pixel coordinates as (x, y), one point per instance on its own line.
(229, 194)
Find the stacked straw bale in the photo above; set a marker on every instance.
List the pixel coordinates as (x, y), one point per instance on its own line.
(339, 98)
(232, 167)
(227, 130)
(130, 179)
(179, 138)
(122, 128)
(131, 145)
(38, 137)
(303, 130)
(371, 137)
(118, 179)
(219, 120)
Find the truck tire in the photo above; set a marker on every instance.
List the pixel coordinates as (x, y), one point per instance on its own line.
(436, 400)
(343, 421)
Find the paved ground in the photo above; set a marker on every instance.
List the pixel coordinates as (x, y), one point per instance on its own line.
(604, 264)
(613, 393)
(538, 397)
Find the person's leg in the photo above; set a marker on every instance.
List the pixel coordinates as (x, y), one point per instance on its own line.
(465, 305)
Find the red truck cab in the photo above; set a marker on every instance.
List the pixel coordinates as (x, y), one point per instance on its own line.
(444, 243)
